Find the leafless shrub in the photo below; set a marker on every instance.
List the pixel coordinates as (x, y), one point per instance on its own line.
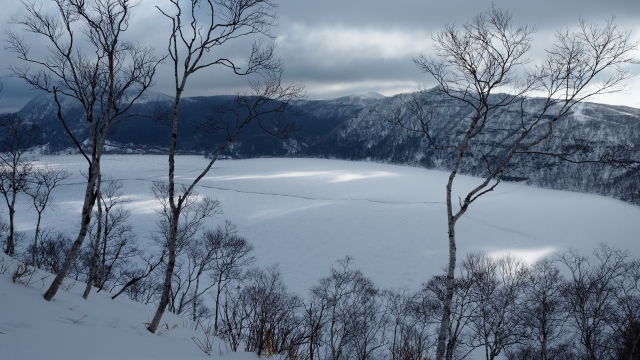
(350, 319)
(23, 274)
(272, 326)
(459, 334)
(51, 250)
(206, 345)
(6, 264)
(544, 316)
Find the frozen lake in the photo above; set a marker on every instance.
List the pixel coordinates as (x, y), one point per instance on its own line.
(307, 213)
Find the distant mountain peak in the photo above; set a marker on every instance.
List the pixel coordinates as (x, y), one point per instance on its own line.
(368, 95)
(373, 95)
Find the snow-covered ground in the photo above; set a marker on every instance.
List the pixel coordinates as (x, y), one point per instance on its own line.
(303, 214)
(71, 328)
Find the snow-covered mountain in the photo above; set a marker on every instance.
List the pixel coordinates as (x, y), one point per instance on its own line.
(357, 127)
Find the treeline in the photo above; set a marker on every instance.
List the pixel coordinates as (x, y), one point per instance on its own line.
(569, 306)
(599, 146)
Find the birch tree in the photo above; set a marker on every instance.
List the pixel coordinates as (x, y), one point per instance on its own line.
(192, 48)
(42, 182)
(483, 66)
(232, 254)
(590, 296)
(17, 137)
(101, 70)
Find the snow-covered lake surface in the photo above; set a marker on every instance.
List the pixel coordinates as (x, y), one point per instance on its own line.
(303, 214)
(306, 213)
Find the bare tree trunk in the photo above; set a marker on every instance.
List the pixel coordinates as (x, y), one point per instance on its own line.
(96, 245)
(215, 322)
(195, 298)
(34, 255)
(449, 282)
(87, 208)
(166, 289)
(175, 212)
(451, 230)
(11, 240)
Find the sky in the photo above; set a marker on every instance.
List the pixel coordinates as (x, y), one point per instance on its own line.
(337, 48)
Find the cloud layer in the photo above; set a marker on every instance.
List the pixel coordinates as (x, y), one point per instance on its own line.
(342, 47)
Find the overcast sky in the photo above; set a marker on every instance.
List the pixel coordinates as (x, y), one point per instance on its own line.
(341, 47)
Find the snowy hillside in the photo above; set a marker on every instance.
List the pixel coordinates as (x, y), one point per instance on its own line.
(98, 328)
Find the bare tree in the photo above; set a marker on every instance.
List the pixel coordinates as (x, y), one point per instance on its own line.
(106, 80)
(118, 242)
(459, 336)
(411, 316)
(478, 65)
(353, 325)
(590, 295)
(314, 320)
(42, 182)
(271, 323)
(543, 313)
(190, 45)
(627, 345)
(113, 242)
(497, 293)
(17, 136)
(232, 254)
(194, 211)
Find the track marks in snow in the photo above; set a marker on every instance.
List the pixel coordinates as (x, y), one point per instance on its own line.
(530, 237)
(310, 198)
(324, 199)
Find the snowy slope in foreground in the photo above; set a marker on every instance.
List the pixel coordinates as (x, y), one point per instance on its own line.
(307, 213)
(98, 328)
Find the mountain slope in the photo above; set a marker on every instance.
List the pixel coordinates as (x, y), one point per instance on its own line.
(357, 127)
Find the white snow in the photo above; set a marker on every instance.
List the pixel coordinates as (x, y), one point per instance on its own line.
(70, 328)
(303, 214)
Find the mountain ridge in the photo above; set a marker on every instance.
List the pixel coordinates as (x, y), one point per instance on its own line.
(357, 127)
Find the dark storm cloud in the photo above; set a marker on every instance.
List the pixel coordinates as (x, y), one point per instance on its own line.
(14, 95)
(433, 13)
(368, 41)
(354, 46)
